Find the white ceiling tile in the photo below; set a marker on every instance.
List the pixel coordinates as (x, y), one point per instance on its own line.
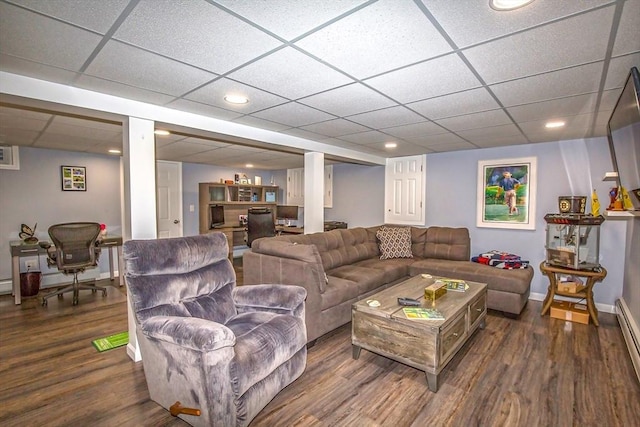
(436, 140)
(387, 117)
(202, 109)
(453, 146)
(61, 141)
(619, 70)
(11, 64)
(194, 32)
(347, 100)
(290, 74)
(547, 48)
(559, 84)
(470, 101)
(627, 39)
(15, 118)
(382, 36)
(214, 93)
(301, 133)
(337, 127)
(119, 89)
(71, 126)
(554, 109)
(260, 123)
(293, 114)
(500, 141)
(290, 18)
(370, 137)
(487, 23)
(97, 15)
(480, 134)
(146, 70)
(15, 136)
(575, 127)
(475, 120)
(426, 80)
(49, 42)
(414, 129)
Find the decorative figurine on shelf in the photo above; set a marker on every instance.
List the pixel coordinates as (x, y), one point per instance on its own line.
(615, 203)
(27, 234)
(595, 203)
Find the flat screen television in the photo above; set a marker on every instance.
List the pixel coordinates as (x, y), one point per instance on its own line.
(216, 216)
(623, 131)
(286, 212)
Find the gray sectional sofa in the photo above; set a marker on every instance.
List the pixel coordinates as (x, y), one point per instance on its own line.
(340, 267)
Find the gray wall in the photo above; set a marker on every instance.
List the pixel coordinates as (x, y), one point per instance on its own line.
(564, 168)
(33, 194)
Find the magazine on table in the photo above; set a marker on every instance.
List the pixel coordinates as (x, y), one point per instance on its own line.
(423, 313)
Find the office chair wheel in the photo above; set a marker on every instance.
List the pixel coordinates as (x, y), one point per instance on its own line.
(44, 302)
(93, 291)
(75, 301)
(104, 292)
(60, 296)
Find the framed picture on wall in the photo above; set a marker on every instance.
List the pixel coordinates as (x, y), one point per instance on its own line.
(506, 195)
(74, 178)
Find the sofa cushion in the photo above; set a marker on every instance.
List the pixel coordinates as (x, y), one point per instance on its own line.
(338, 290)
(395, 242)
(447, 243)
(366, 278)
(393, 269)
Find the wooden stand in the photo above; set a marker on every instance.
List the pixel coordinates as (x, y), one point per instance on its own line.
(587, 293)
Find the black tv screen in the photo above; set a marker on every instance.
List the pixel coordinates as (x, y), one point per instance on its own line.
(286, 212)
(624, 136)
(216, 216)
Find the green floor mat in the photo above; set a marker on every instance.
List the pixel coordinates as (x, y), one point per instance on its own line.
(111, 342)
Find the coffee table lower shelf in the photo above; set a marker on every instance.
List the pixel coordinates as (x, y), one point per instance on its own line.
(427, 345)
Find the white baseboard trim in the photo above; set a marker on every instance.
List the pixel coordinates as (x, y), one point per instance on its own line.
(605, 308)
(56, 279)
(630, 332)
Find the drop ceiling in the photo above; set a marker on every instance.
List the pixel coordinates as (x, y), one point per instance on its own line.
(431, 75)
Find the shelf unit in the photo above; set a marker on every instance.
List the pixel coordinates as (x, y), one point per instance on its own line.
(236, 198)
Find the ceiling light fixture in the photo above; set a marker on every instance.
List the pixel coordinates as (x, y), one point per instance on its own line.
(113, 151)
(248, 165)
(162, 132)
(553, 125)
(390, 145)
(236, 99)
(503, 5)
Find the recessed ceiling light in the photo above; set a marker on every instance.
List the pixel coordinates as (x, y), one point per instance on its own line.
(162, 132)
(508, 4)
(551, 125)
(236, 99)
(390, 145)
(248, 165)
(114, 151)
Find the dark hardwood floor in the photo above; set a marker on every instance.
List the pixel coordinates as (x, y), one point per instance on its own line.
(533, 371)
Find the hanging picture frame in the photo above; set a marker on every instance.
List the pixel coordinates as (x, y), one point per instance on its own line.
(74, 178)
(506, 196)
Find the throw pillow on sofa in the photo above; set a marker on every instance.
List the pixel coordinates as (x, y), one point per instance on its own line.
(395, 242)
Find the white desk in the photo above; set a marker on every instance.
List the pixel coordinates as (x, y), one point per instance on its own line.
(20, 249)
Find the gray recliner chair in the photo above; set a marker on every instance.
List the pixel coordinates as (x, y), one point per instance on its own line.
(214, 347)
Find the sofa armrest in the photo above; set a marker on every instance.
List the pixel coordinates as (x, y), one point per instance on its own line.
(274, 298)
(189, 332)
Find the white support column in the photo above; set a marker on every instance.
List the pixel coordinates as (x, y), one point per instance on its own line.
(313, 192)
(139, 157)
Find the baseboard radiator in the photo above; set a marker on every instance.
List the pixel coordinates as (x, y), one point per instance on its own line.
(630, 332)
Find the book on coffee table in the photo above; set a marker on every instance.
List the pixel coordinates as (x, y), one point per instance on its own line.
(423, 313)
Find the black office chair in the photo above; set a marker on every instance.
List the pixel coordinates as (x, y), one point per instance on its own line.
(260, 223)
(74, 251)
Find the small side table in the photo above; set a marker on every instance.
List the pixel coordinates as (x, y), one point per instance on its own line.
(593, 276)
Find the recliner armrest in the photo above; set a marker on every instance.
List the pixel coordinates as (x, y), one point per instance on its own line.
(190, 332)
(278, 298)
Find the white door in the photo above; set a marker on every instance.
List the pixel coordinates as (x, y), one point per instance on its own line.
(169, 189)
(404, 190)
(295, 187)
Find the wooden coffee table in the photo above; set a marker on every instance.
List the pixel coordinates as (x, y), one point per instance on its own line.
(427, 345)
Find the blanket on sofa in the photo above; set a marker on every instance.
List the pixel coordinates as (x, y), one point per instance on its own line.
(499, 259)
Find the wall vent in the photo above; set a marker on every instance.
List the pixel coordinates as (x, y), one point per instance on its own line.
(9, 157)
